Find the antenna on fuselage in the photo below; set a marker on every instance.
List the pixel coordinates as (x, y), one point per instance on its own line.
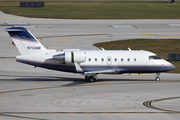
(129, 49)
(103, 49)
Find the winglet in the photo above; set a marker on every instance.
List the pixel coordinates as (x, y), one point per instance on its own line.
(78, 68)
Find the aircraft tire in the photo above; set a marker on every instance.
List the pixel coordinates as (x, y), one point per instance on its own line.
(92, 79)
(86, 78)
(157, 79)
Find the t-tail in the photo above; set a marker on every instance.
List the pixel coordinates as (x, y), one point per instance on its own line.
(25, 41)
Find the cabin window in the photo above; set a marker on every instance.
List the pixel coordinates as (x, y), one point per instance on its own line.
(121, 59)
(154, 57)
(115, 59)
(102, 59)
(89, 59)
(128, 59)
(95, 59)
(109, 59)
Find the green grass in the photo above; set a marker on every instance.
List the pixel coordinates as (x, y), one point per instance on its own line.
(161, 47)
(97, 10)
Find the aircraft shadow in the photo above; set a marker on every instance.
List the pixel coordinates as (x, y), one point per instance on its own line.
(75, 81)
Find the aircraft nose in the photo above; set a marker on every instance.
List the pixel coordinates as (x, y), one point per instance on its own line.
(172, 67)
(169, 66)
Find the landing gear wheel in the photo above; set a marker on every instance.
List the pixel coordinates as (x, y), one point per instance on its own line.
(157, 79)
(86, 78)
(92, 79)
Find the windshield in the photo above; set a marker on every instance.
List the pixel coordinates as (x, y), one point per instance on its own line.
(154, 57)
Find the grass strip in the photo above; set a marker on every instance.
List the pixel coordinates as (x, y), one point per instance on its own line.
(97, 10)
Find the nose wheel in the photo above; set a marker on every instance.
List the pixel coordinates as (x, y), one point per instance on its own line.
(157, 77)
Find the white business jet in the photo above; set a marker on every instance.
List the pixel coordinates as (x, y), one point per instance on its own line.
(89, 63)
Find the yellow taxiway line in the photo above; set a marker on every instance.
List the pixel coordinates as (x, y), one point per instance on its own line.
(60, 40)
(54, 45)
(160, 35)
(149, 104)
(168, 102)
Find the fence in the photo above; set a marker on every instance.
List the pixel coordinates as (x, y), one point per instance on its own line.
(174, 57)
(31, 4)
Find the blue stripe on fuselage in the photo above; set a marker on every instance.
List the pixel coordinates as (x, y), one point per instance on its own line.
(58, 67)
(130, 69)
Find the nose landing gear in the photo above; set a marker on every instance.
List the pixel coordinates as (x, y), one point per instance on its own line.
(157, 77)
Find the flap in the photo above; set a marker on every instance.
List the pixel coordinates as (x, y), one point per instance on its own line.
(102, 71)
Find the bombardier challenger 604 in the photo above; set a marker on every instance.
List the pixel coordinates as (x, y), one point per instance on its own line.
(89, 63)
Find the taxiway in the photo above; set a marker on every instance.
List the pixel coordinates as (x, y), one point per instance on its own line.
(39, 94)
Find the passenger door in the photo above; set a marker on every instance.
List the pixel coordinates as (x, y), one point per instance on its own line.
(109, 60)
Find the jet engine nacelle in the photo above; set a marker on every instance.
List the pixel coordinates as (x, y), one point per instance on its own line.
(75, 56)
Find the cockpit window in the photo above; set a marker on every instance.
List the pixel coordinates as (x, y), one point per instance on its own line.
(154, 57)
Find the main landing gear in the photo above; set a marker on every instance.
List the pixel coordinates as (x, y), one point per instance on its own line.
(91, 78)
(157, 77)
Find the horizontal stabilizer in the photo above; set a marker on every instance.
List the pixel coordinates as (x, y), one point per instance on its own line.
(18, 29)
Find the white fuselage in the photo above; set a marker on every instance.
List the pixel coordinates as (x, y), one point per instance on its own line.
(119, 61)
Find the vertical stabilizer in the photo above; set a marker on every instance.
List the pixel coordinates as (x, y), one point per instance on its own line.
(25, 41)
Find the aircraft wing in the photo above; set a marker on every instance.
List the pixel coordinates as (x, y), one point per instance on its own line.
(110, 71)
(61, 57)
(79, 69)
